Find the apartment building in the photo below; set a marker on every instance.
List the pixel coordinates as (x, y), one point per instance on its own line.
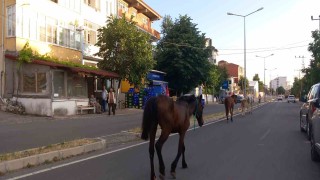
(279, 81)
(67, 31)
(213, 58)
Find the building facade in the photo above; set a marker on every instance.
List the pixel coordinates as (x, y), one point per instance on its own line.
(233, 70)
(213, 58)
(67, 31)
(279, 81)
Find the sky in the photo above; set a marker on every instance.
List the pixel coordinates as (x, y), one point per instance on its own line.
(282, 28)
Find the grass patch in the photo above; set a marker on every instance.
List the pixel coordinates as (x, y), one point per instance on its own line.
(46, 149)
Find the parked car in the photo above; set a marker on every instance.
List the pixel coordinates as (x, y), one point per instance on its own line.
(314, 111)
(279, 98)
(307, 110)
(291, 98)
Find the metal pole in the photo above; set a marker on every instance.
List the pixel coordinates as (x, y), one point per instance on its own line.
(264, 78)
(245, 64)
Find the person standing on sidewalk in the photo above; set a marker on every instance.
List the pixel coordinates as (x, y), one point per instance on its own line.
(104, 99)
(111, 101)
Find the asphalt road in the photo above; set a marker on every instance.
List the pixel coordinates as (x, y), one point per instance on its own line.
(30, 131)
(265, 145)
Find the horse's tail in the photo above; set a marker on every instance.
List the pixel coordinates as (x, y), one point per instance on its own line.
(149, 117)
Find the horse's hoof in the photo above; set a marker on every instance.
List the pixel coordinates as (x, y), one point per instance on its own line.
(173, 174)
(184, 166)
(161, 176)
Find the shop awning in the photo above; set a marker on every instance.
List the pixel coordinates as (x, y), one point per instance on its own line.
(97, 72)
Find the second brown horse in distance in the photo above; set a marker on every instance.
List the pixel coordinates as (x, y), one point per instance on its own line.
(229, 103)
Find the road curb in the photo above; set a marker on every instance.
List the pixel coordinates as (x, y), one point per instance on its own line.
(26, 162)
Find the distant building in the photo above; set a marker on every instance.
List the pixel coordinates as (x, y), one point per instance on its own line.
(279, 81)
(213, 58)
(254, 88)
(233, 70)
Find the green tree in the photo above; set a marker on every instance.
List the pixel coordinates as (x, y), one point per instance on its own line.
(296, 87)
(243, 81)
(182, 54)
(280, 90)
(312, 74)
(125, 50)
(256, 78)
(216, 76)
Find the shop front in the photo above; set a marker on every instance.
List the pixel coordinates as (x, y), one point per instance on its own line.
(49, 89)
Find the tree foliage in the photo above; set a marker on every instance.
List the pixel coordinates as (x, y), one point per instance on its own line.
(280, 90)
(312, 74)
(182, 54)
(243, 81)
(125, 50)
(256, 78)
(215, 79)
(296, 87)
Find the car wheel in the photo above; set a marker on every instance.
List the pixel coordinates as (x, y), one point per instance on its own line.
(301, 128)
(308, 131)
(314, 154)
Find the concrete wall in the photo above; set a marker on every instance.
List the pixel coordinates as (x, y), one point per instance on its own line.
(37, 106)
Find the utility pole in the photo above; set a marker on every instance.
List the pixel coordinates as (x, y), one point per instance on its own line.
(302, 57)
(317, 20)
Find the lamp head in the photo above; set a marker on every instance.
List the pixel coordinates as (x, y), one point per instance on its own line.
(260, 9)
(229, 13)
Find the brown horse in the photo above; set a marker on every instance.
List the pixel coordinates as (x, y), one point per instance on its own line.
(229, 104)
(173, 117)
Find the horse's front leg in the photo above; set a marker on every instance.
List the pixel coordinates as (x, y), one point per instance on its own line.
(162, 139)
(231, 112)
(184, 164)
(151, 152)
(175, 162)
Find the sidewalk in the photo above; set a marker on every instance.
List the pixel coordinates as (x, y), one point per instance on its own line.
(11, 118)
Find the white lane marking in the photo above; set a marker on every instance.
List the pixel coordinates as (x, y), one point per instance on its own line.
(265, 135)
(103, 154)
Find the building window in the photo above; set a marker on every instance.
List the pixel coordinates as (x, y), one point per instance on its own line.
(11, 21)
(123, 7)
(145, 21)
(51, 27)
(69, 85)
(109, 9)
(90, 32)
(58, 84)
(93, 3)
(34, 82)
(77, 86)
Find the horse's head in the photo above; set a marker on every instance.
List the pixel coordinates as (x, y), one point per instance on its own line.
(198, 110)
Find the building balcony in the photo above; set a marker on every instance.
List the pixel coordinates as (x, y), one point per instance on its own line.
(143, 8)
(144, 27)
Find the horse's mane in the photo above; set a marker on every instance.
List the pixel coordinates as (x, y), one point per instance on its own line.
(188, 99)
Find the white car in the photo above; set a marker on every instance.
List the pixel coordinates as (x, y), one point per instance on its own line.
(291, 98)
(279, 98)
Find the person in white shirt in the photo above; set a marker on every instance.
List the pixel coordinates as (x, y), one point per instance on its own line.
(111, 101)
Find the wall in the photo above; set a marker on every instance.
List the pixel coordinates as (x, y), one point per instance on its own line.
(37, 106)
(65, 107)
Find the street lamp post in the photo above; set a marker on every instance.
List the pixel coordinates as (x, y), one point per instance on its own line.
(270, 70)
(244, 32)
(316, 19)
(264, 73)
